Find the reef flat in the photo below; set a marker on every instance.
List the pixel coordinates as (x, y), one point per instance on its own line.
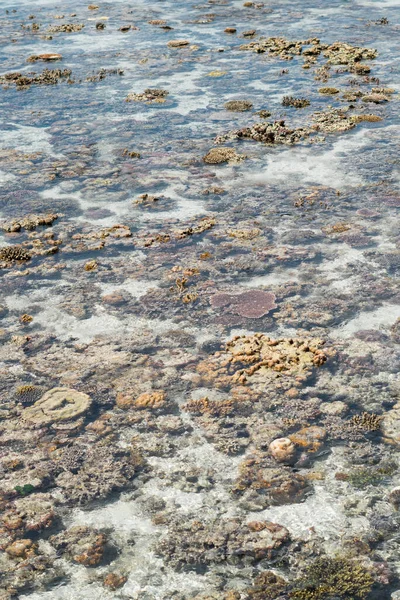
(199, 300)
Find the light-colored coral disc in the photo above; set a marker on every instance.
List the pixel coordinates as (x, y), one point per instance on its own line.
(58, 404)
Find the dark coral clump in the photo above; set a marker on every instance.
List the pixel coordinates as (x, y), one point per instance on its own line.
(47, 77)
(11, 253)
(367, 421)
(295, 102)
(267, 586)
(267, 133)
(328, 578)
(28, 394)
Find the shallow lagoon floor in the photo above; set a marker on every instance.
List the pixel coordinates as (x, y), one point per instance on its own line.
(199, 301)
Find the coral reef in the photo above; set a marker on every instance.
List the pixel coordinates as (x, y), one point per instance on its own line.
(367, 421)
(267, 586)
(199, 355)
(29, 222)
(341, 53)
(260, 485)
(28, 394)
(282, 449)
(66, 28)
(390, 424)
(46, 57)
(333, 121)
(103, 470)
(177, 43)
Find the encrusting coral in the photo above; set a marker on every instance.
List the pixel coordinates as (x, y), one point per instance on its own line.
(252, 304)
(288, 356)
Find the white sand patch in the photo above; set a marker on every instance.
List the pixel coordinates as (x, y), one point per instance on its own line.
(277, 277)
(320, 511)
(313, 165)
(381, 318)
(135, 287)
(6, 177)
(24, 138)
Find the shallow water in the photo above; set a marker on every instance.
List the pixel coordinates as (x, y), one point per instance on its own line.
(126, 295)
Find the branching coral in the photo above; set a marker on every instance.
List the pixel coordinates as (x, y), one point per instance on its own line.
(329, 578)
(13, 253)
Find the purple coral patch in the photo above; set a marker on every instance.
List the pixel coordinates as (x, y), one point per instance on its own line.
(252, 304)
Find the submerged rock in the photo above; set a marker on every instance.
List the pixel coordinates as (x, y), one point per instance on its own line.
(177, 43)
(149, 95)
(45, 57)
(83, 545)
(390, 424)
(238, 105)
(196, 544)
